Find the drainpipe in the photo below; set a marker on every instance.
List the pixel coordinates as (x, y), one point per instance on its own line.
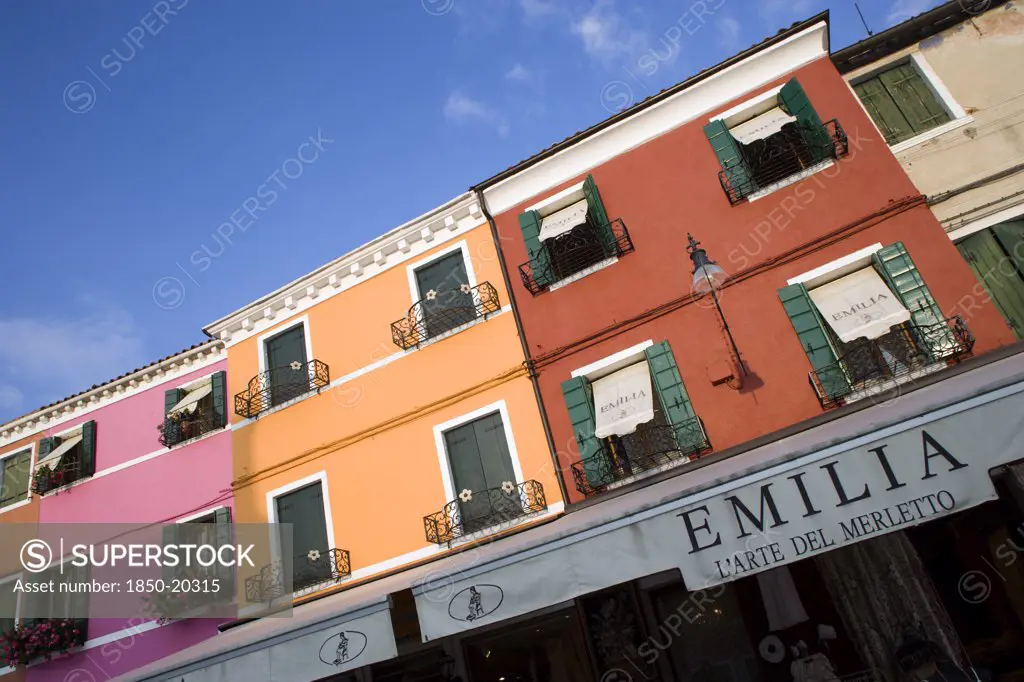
(530, 367)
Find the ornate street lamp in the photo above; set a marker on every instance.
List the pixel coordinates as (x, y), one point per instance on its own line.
(708, 276)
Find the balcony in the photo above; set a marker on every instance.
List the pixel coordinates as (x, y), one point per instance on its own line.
(574, 252)
(281, 384)
(442, 311)
(478, 510)
(309, 572)
(783, 156)
(645, 450)
(877, 367)
(41, 639)
(184, 427)
(47, 479)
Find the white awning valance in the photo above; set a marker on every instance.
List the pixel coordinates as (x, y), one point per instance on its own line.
(623, 400)
(761, 126)
(60, 450)
(564, 220)
(188, 404)
(859, 304)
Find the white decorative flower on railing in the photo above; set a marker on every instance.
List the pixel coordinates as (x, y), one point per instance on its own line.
(466, 495)
(465, 288)
(296, 365)
(313, 556)
(508, 487)
(431, 295)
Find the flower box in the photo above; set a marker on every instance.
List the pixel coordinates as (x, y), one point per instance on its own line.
(41, 640)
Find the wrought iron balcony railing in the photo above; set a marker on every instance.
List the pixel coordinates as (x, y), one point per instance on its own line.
(47, 479)
(279, 385)
(644, 450)
(574, 252)
(441, 311)
(477, 510)
(181, 428)
(782, 157)
(309, 572)
(877, 366)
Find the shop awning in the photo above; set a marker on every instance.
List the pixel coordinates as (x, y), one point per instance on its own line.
(563, 220)
(761, 126)
(623, 400)
(58, 452)
(191, 400)
(859, 304)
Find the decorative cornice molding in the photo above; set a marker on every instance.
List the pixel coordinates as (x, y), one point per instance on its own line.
(383, 253)
(142, 379)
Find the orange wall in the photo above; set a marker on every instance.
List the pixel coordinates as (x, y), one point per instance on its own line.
(373, 435)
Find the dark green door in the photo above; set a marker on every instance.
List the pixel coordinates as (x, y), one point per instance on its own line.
(997, 271)
(480, 462)
(304, 509)
(444, 294)
(286, 362)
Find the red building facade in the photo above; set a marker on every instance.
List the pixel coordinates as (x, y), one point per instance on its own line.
(617, 289)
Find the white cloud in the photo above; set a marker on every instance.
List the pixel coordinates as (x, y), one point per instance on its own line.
(728, 33)
(606, 35)
(904, 9)
(51, 357)
(461, 108)
(537, 9)
(518, 73)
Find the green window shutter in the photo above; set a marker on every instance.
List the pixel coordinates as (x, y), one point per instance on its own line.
(915, 99)
(225, 534)
(727, 149)
(883, 110)
(579, 401)
(898, 270)
(87, 462)
(1011, 236)
(673, 397)
(46, 446)
(219, 383)
(529, 224)
(1006, 289)
(598, 216)
(810, 330)
(795, 102)
(170, 537)
(172, 431)
(15, 478)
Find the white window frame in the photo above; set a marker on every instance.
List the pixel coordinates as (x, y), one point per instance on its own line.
(200, 514)
(442, 452)
(63, 435)
(261, 341)
(558, 201)
(318, 477)
(410, 269)
(1006, 215)
(833, 270)
(31, 472)
(614, 362)
(958, 117)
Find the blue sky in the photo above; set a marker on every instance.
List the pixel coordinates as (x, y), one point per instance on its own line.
(133, 130)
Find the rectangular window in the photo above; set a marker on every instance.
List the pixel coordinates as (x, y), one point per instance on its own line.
(194, 409)
(65, 459)
(304, 509)
(287, 365)
(484, 478)
(8, 605)
(901, 102)
(445, 294)
(15, 473)
(63, 603)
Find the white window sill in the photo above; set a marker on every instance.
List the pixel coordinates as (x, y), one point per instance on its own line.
(794, 178)
(8, 669)
(600, 265)
(12, 507)
(650, 472)
(493, 530)
(886, 385)
(931, 134)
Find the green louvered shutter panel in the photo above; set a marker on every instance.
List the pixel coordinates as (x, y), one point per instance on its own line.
(225, 536)
(579, 401)
(794, 100)
(170, 537)
(219, 384)
(672, 395)
(172, 432)
(598, 216)
(915, 99)
(87, 465)
(540, 263)
(79, 602)
(810, 330)
(46, 446)
(896, 267)
(883, 110)
(986, 259)
(730, 158)
(1011, 236)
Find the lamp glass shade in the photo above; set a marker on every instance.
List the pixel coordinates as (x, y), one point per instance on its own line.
(708, 276)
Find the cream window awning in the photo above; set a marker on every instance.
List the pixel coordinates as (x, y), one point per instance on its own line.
(761, 126)
(563, 220)
(859, 304)
(623, 401)
(60, 451)
(191, 400)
